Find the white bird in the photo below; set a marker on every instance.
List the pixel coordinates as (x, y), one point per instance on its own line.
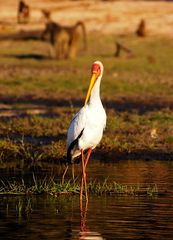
(86, 128)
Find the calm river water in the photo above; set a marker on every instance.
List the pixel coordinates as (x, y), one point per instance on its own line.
(106, 217)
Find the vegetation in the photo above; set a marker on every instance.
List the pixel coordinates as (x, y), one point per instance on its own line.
(39, 97)
(55, 188)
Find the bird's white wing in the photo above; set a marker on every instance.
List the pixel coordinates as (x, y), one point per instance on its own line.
(76, 126)
(105, 118)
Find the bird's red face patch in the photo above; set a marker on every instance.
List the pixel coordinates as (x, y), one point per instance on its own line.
(96, 69)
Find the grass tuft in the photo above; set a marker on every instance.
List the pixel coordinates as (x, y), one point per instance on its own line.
(55, 188)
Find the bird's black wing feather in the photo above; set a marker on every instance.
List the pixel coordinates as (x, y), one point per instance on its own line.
(71, 147)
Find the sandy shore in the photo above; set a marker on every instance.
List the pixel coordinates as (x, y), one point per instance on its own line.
(117, 17)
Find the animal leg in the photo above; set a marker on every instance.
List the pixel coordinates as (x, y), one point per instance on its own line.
(85, 182)
(82, 178)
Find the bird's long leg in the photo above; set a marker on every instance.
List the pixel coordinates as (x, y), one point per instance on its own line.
(63, 176)
(85, 182)
(88, 156)
(83, 172)
(81, 192)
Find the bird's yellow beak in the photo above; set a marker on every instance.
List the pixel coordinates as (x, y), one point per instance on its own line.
(92, 82)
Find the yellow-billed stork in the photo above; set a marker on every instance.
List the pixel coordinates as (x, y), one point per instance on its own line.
(86, 128)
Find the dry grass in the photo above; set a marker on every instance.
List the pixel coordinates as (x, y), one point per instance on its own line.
(101, 16)
(39, 95)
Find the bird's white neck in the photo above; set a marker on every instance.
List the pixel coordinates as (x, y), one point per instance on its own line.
(95, 93)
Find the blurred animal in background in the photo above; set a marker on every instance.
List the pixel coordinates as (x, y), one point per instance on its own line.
(46, 15)
(23, 13)
(65, 40)
(61, 45)
(120, 48)
(141, 29)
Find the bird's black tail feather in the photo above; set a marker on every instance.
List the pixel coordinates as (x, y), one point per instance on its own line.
(71, 147)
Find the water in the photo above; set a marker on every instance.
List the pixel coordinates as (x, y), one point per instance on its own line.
(106, 217)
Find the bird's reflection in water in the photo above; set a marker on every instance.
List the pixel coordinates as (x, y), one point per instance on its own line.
(85, 233)
(83, 216)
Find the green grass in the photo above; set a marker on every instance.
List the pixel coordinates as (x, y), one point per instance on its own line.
(55, 188)
(138, 75)
(136, 92)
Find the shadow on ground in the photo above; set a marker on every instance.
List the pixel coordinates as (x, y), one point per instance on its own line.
(141, 154)
(28, 56)
(139, 104)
